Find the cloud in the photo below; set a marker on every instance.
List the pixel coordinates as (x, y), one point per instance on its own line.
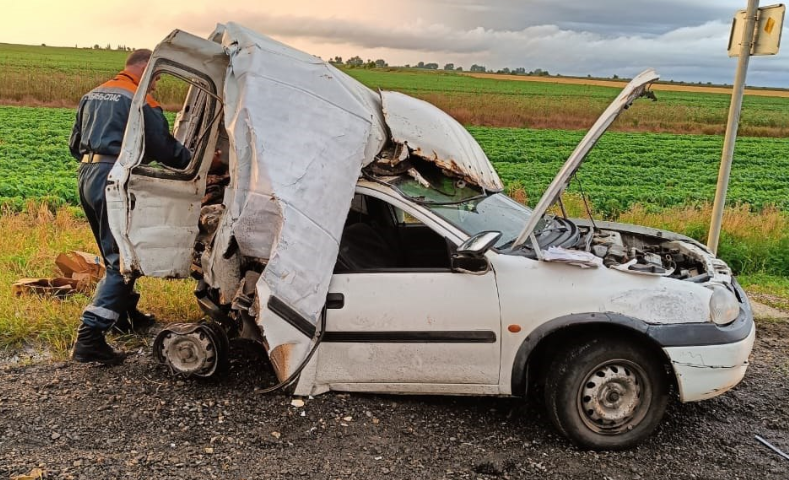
(688, 53)
(608, 17)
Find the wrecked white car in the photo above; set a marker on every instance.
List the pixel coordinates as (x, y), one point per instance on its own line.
(362, 238)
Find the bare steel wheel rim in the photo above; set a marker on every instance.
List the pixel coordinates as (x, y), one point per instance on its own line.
(613, 397)
(190, 353)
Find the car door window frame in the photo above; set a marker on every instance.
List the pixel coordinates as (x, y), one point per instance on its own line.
(212, 113)
(450, 234)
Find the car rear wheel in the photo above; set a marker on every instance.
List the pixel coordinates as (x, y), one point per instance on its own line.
(606, 394)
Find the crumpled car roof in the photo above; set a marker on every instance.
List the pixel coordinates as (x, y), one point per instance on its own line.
(300, 132)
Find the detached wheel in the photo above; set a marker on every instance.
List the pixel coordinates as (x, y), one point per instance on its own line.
(606, 394)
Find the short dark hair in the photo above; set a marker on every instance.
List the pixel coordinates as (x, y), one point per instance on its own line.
(139, 56)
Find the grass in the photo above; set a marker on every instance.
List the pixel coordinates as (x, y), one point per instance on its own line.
(59, 76)
(624, 169)
(501, 102)
(33, 238)
(28, 246)
(770, 290)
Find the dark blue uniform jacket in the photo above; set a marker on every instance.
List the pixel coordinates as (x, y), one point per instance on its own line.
(101, 122)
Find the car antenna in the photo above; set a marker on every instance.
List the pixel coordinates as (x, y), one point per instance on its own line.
(586, 203)
(561, 206)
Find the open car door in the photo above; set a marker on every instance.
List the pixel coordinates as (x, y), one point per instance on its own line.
(153, 210)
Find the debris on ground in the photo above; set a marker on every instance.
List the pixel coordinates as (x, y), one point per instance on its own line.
(80, 271)
(35, 474)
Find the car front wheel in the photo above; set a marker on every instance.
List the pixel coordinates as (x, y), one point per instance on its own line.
(606, 393)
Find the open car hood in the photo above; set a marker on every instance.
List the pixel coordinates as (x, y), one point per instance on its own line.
(632, 91)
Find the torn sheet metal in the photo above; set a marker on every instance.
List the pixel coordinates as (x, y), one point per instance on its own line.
(438, 138)
(300, 131)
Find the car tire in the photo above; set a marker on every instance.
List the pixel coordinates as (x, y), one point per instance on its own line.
(606, 393)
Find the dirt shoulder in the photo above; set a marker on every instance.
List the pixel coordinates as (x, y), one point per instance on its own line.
(135, 421)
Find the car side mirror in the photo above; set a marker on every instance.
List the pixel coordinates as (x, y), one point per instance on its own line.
(478, 244)
(470, 255)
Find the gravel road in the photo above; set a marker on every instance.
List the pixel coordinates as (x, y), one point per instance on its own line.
(135, 421)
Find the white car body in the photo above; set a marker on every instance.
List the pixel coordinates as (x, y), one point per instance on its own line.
(300, 139)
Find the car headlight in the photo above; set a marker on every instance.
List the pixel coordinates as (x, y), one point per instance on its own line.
(724, 306)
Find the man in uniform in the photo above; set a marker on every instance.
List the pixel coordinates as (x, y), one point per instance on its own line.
(96, 142)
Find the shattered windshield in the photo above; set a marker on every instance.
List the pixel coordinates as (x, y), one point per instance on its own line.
(470, 209)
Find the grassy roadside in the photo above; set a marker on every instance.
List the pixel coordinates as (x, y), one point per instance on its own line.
(31, 240)
(28, 246)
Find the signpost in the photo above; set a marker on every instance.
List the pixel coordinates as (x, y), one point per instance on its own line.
(754, 31)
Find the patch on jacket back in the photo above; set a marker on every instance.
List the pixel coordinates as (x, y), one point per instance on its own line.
(105, 97)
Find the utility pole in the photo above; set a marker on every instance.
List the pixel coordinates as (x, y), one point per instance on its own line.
(732, 124)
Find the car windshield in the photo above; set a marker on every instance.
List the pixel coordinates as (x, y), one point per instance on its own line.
(469, 209)
(495, 212)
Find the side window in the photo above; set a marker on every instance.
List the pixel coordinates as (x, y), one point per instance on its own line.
(200, 111)
(379, 236)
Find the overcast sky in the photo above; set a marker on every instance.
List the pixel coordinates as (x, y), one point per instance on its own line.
(683, 39)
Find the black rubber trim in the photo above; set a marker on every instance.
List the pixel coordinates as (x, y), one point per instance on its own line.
(291, 316)
(398, 270)
(475, 336)
(335, 301)
(672, 335)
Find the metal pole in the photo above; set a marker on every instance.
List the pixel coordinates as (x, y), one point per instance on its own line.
(732, 124)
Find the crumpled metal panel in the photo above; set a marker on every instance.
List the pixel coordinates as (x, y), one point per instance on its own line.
(300, 131)
(435, 136)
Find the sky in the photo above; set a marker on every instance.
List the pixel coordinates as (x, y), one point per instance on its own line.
(683, 40)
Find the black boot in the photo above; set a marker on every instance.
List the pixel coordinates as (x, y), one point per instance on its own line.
(92, 347)
(133, 320)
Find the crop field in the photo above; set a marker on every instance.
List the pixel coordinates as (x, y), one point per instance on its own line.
(57, 76)
(628, 176)
(624, 169)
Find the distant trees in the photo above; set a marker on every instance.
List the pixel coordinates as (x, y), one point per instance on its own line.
(449, 66)
(478, 68)
(355, 61)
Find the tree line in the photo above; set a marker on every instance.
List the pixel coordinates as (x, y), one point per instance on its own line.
(358, 62)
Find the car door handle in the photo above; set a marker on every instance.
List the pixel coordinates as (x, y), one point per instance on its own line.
(335, 301)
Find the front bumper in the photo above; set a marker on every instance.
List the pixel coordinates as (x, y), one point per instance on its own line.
(707, 371)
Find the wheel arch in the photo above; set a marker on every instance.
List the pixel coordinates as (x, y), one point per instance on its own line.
(534, 352)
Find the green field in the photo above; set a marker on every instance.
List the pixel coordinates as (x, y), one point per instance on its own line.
(58, 76)
(624, 169)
